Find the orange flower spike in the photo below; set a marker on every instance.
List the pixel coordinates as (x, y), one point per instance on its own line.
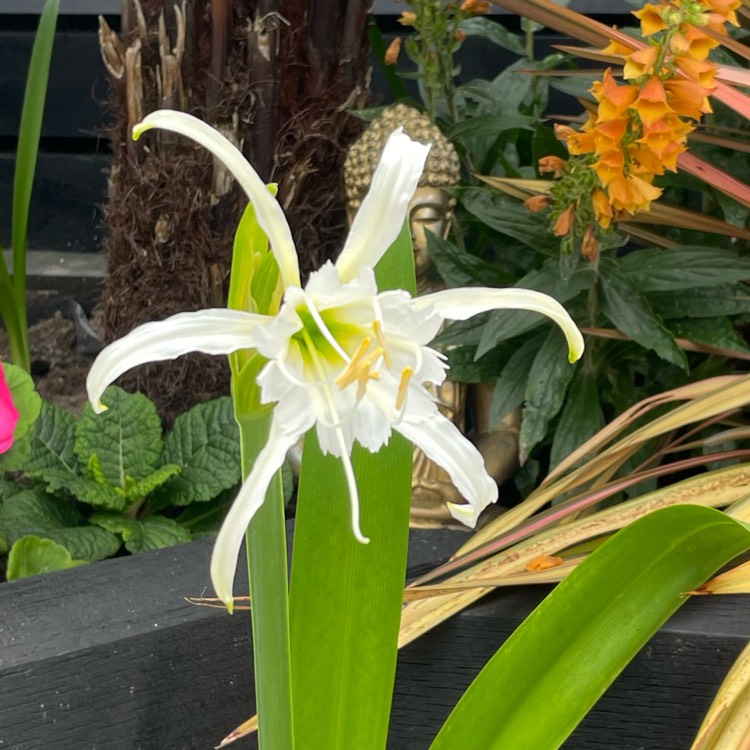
(552, 164)
(537, 203)
(564, 221)
(651, 103)
(651, 19)
(613, 100)
(602, 208)
(641, 63)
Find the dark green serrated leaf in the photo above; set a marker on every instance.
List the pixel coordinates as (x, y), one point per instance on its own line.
(510, 217)
(719, 301)
(503, 325)
(581, 416)
(31, 556)
(34, 512)
(547, 383)
(154, 532)
(657, 270)
(511, 384)
(126, 438)
(53, 458)
(717, 332)
(630, 312)
(204, 443)
(459, 268)
(493, 32)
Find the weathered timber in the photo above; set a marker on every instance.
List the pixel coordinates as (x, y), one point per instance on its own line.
(111, 657)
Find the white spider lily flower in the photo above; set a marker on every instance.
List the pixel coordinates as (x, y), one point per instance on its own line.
(342, 358)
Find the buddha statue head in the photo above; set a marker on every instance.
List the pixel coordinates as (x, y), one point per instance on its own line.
(431, 207)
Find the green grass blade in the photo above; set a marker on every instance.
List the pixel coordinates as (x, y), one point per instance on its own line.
(267, 567)
(346, 596)
(28, 138)
(551, 671)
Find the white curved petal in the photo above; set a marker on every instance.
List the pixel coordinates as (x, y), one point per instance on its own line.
(383, 211)
(463, 303)
(442, 442)
(216, 331)
(270, 216)
(250, 497)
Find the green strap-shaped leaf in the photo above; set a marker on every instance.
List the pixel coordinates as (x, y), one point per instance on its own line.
(346, 596)
(555, 666)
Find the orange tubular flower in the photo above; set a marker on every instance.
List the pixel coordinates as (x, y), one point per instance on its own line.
(632, 194)
(687, 98)
(700, 71)
(651, 103)
(536, 203)
(651, 19)
(564, 221)
(552, 164)
(692, 42)
(613, 100)
(641, 63)
(611, 165)
(602, 208)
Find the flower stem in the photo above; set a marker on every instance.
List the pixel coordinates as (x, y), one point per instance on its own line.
(269, 594)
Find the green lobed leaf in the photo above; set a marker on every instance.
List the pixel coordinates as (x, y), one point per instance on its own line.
(678, 268)
(153, 532)
(728, 299)
(205, 444)
(630, 312)
(31, 556)
(511, 385)
(547, 383)
(345, 596)
(53, 458)
(573, 645)
(34, 512)
(506, 324)
(581, 416)
(126, 438)
(459, 268)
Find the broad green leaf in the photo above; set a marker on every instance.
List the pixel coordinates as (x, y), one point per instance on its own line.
(581, 416)
(555, 666)
(459, 268)
(205, 444)
(511, 218)
(53, 459)
(678, 268)
(31, 556)
(205, 518)
(345, 596)
(34, 512)
(630, 312)
(465, 368)
(126, 438)
(462, 332)
(493, 32)
(511, 385)
(717, 332)
(702, 303)
(491, 125)
(153, 532)
(547, 382)
(506, 324)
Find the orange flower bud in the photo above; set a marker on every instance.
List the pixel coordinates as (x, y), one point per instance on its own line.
(407, 18)
(563, 132)
(552, 164)
(391, 54)
(459, 36)
(590, 245)
(476, 6)
(537, 203)
(564, 221)
(543, 562)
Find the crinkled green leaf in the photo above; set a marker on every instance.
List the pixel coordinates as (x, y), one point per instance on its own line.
(35, 512)
(98, 495)
(630, 312)
(154, 532)
(547, 383)
(53, 459)
(506, 324)
(459, 268)
(717, 332)
(677, 268)
(205, 444)
(581, 416)
(139, 490)
(126, 438)
(718, 301)
(32, 555)
(511, 385)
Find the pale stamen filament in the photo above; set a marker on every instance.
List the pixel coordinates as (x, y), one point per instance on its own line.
(377, 328)
(353, 369)
(403, 387)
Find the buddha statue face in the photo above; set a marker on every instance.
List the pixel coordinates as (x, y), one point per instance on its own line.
(430, 209)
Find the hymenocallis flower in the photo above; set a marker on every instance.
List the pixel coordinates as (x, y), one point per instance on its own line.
(343, 358)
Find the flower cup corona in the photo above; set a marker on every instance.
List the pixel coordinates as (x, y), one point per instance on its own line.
(343, 358)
